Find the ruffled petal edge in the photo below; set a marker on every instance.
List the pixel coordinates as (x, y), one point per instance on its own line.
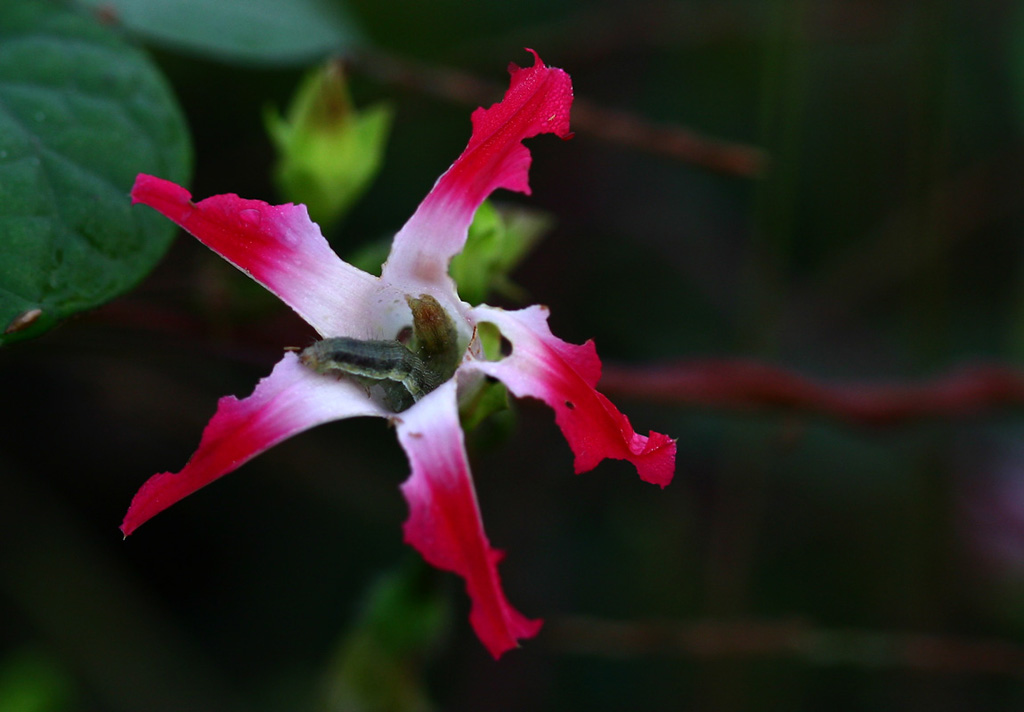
(538, 101)
(444, 522)
(279, 247)
(288, 401)
(565, 376)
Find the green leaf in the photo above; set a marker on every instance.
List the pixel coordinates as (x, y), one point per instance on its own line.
(80, 114)
(248, 31)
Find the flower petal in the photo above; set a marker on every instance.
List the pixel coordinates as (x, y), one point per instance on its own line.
(444, 520)
(291, 399)
(278, 246)
(564, 376)
(537, 101)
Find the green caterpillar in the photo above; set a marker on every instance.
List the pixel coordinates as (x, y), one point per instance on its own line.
(402, 375)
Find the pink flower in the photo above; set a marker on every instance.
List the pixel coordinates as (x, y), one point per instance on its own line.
(283, 250)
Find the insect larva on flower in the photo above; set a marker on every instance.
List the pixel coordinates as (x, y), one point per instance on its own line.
(401, 374)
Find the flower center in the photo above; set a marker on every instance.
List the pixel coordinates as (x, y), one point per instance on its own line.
(399, 373)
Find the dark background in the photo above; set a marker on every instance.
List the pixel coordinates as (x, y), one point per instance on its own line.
(796, 562)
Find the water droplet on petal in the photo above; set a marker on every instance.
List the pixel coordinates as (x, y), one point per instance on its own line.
(250, 217)
(290, 237)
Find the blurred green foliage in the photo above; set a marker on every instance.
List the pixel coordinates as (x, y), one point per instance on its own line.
(259, 32)
(31, 682)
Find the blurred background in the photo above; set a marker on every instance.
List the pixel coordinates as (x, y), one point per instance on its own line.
(834, 187)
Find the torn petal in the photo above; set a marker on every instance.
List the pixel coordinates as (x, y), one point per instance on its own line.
(278, 246)
(291, 399)
(444, 522)
(564, 376)
(537, 101)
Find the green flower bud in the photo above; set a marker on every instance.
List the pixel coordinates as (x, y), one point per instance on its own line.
(328, 152)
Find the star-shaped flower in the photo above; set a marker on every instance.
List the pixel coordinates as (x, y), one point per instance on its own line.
(362, 319)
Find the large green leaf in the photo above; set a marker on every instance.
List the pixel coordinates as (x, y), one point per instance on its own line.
(252, 31)
(80, 114)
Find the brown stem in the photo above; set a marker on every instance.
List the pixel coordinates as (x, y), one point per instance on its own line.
(794, 638)
(619, 127)
(748, 385)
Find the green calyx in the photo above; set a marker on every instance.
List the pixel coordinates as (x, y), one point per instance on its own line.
(499, 239)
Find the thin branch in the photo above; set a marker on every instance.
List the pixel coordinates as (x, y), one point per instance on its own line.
(669, 140)
(619, 127)
(794, 638)
(748, 385)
